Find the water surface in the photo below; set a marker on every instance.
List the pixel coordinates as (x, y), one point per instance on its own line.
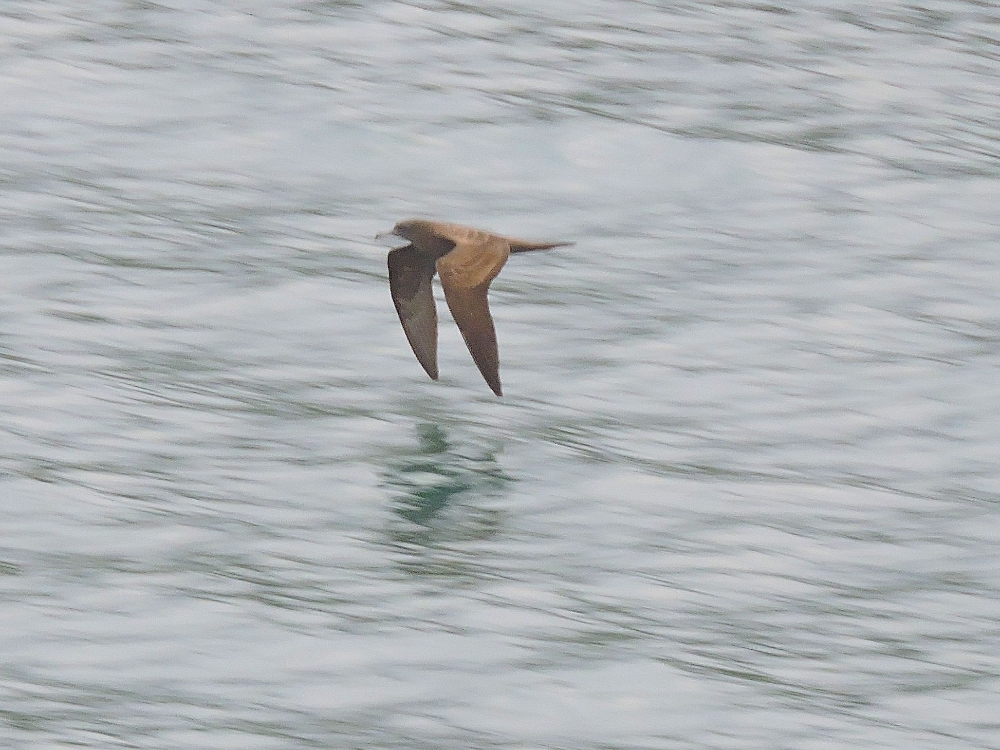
(741, 492)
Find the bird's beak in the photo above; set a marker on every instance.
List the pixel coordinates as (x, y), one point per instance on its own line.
(386, 235)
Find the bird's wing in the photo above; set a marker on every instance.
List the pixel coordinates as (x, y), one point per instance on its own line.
(410, 274)
(466, 273)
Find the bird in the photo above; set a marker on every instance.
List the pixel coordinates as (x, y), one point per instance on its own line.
(467, 260)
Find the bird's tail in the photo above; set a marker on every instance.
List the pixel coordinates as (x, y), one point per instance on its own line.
(523, 246)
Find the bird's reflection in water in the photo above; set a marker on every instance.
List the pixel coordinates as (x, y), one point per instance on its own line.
(443, 500)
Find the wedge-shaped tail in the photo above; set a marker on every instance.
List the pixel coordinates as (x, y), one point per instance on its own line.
(524, 246)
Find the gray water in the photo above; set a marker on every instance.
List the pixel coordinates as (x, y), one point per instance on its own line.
(742, 490)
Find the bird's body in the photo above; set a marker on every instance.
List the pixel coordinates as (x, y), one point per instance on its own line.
(467, 260)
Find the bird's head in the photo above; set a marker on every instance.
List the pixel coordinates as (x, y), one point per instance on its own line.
(422, 234)
(410, 229)
(417, 231)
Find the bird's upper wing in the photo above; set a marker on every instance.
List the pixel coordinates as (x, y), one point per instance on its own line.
(410, 274)
(466, 273)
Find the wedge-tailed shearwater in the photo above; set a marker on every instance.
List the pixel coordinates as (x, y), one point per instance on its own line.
(467, 260)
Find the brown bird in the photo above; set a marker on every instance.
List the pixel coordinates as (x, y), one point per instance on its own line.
(467, 260)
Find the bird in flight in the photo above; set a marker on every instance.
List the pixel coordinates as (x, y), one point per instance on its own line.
(467, 260)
